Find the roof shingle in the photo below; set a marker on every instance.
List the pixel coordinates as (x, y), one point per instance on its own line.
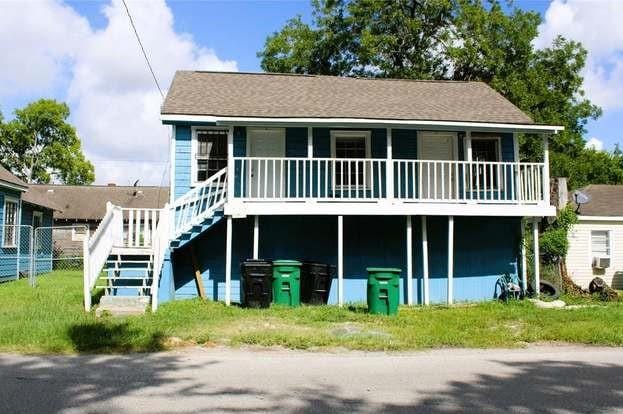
(88, 202)
(270, 95)
(605, 200)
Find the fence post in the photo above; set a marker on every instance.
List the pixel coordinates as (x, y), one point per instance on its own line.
(32, 274)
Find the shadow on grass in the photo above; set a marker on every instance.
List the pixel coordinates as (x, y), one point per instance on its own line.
(96, 337)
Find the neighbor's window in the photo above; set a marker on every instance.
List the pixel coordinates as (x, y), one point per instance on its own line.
(486, 150)
(211, 154)
(11, 208)
(37, 219)
(600, 243)
(350, 145)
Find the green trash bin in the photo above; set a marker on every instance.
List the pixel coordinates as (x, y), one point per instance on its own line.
(287, 282)
(383, 290)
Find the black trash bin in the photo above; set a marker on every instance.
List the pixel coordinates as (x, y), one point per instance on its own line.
(316, 282)
(257, 277)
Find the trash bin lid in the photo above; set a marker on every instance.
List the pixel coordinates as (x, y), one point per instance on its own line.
(383, 270)
(286, 263)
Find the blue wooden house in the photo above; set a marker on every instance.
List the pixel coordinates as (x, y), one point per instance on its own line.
(420, 175)
(20, 213)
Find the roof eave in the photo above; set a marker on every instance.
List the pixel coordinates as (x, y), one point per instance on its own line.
(367, 122)
(13, 186)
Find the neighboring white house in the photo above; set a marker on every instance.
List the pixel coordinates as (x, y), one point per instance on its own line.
(596, 241)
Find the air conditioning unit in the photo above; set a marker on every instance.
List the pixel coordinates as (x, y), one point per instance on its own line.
(601, 262)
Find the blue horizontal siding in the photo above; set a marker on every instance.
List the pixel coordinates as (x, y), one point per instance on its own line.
(485, 248)
(181, 175)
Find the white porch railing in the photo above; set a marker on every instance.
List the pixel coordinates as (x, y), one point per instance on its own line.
(465, 181)
(108, 234)
(141, 226)
(160, 244)
(199, 203)
(366, 180)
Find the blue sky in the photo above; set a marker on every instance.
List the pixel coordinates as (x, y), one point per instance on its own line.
(84, 53)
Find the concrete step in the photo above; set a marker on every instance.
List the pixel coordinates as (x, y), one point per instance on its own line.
(122, 305)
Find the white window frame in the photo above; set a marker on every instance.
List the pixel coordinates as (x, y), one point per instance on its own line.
(37, 213)
(367, 135)
(9, 199)
(590, 244)
(194, 148)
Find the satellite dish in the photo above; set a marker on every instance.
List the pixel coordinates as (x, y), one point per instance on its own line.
(581, 198)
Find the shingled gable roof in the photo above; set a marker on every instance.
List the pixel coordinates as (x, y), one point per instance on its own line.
(605, 200)
(88, 202)
(269, 95)
(6, 177)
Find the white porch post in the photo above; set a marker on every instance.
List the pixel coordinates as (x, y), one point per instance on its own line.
(517, 171)
(390, 166)
(468, 145)
(546, 170)
(409, 262)
(425, 295)
(524, 270)
(450, 260)
(256, 237)
(310, 142)
(228, 252)
(230, 163)
(340, 260)
(535, 240)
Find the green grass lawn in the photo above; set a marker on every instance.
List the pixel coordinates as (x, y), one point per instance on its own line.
(50, 318)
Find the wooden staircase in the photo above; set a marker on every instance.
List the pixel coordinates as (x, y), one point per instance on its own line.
(126, 261)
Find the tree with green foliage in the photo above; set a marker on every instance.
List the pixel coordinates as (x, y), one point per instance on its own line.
(40, 146)
(470, 40)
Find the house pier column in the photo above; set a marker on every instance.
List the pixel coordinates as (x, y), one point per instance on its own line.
(340, 260)
(409, 261)
(450, 260)
(228, 252)
(425, 287)
(535, 241)
(256, 237)
(524, 269)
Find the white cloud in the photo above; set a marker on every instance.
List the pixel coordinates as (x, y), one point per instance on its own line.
(595, 143)
(598, 26)
(115, 104)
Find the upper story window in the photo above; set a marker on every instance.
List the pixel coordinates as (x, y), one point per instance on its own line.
(210, 153)
(351, 145)
(11, 211)
(486, 149)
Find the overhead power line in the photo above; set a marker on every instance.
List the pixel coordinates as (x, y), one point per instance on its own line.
(138, 38)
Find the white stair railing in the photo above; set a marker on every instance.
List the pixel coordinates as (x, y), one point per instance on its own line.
(199, 203)
(159, 245)
(109, 233)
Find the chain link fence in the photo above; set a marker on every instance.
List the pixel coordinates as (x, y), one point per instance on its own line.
(28, 252)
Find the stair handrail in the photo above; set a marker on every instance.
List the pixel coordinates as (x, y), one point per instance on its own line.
(159, 246)
(98, 247)
(199, 203)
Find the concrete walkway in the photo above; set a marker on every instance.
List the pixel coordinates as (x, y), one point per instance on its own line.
(558, 379)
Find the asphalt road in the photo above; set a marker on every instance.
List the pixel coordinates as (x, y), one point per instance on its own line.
(533, 380)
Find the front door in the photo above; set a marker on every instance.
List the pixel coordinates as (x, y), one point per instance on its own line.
(266, 173)
(437, 178)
